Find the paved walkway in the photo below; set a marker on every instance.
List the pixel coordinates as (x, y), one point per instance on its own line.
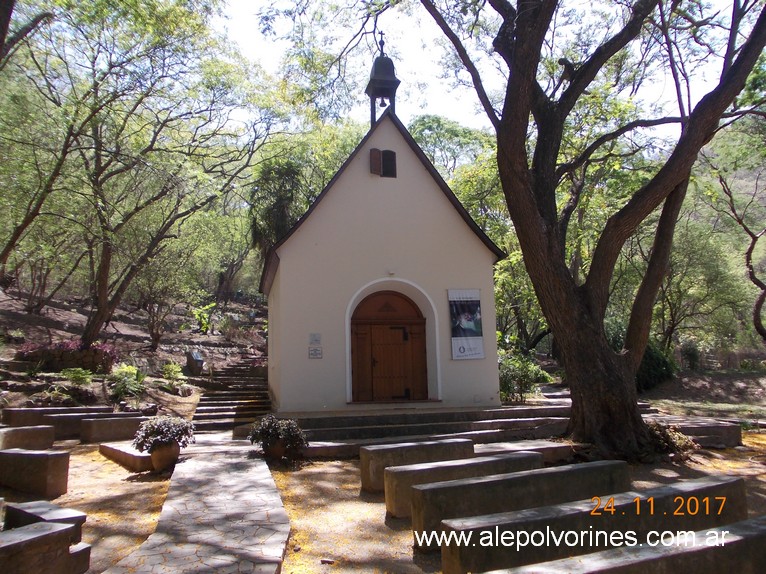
(222, 514)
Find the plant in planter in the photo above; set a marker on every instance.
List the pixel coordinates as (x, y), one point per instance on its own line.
(164, 437)
(278, 437)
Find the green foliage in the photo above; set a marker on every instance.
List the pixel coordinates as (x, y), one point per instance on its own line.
(125, 381)
(163, 430)
(77, 376)
(270, 429)
(753, 365)
(172, 371)
(690, 354)
(202, 315)
(519, 375)
(656, 366)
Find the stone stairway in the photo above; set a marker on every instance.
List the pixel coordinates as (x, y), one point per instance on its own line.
(236, 395)
(548, 418)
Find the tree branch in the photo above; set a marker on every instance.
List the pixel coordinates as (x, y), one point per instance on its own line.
(465, 59)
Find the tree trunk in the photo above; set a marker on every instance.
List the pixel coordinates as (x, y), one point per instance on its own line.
(604, 396)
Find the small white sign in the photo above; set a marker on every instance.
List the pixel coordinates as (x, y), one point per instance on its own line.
(315, 352)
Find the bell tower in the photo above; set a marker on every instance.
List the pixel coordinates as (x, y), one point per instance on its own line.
(383, 83)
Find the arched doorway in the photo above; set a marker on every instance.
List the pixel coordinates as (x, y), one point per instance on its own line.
(388, 349)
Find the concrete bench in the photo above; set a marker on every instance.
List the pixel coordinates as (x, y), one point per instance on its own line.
(67, 425)
(109, 429)
(432, 503)
(31, 416)
(511, 539)
(39, 437)
(41, 472)
(126, 456)
(18, 514)
(43, 548)
(740, 547)
(374, 459)
(399, 480)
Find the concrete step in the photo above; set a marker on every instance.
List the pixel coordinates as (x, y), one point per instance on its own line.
(709, 433)
(229, 405)
(461, 428)
(552, 451)
(249, 413)
(436, 416)
(223, 424)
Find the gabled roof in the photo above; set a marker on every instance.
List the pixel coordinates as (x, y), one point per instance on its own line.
(272, 259)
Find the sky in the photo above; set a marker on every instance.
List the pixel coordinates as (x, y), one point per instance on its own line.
(411, 42)
(411, 45)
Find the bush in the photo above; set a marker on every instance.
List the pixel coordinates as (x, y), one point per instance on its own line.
(78, 376)
(163, 430)
(172, 371)
(519, 375)
(655, 368)
(125, 381)
(271, 429)
(690, 355)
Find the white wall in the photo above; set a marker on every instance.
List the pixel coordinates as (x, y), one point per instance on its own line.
(368, 234)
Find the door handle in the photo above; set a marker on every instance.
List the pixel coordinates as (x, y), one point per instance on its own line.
(374, 362)
(405, 334)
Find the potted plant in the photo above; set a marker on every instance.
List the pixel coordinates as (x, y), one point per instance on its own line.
(278, 437)
(164, 437)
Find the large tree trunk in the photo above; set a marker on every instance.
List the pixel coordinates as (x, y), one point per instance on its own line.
(603, 388)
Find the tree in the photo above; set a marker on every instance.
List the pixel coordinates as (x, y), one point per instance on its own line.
(604, 410)
(737, 194)
(623, 40)
(147, 98)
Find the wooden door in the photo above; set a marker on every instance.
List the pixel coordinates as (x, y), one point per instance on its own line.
(388, 350)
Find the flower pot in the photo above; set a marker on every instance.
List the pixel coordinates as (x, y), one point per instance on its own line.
(164, 456)
(275, 450)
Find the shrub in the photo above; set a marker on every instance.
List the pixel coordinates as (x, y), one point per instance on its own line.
(271, 429)
(163, 430)
(125, 381)
(172, 371)
(77, 376)
(655, 368)
(690, 355)
(519, 375)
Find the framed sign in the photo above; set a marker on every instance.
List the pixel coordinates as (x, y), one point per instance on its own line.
(465, 323)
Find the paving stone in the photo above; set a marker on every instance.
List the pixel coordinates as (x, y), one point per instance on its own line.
(222, 514)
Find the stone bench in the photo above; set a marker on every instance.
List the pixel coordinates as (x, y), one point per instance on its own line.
(18, 514)
(43, 548)
(374, 459)
(31, 416)
(41, 472)
(740, 547)
(39, 437)
(67, 425)
(432, 503)
(399, 480)
(126, 456)
(634, 518)
(110, 428)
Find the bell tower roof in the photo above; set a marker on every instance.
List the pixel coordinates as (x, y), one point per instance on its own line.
(383, 82)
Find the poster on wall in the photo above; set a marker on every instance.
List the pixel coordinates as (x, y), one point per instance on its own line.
(465, 322)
